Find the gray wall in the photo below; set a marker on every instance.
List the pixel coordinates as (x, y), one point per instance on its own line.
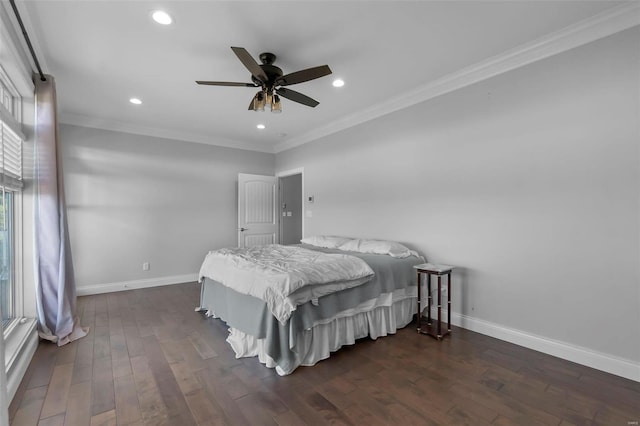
(291, 196)
(528, 182)
(134, 199)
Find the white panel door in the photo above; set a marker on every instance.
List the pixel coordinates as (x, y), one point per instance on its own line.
(257, 212)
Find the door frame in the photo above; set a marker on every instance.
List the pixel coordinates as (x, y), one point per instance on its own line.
(291, 172)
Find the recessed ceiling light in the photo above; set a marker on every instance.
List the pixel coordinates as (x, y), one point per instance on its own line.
(162, 17)
(135, 101)
(338, 83)
(260, 126)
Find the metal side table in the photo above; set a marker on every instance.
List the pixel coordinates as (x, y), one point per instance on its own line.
(431, 329)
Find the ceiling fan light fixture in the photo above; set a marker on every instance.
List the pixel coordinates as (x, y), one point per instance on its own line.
(268, 98)
(258, 102)
(276, 105)
(338, 82)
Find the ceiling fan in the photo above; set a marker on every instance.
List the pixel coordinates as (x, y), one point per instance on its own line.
(271, 80)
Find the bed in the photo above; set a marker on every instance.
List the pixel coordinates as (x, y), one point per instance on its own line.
(317, 318)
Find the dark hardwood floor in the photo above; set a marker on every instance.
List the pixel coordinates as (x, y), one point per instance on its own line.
(150, 359)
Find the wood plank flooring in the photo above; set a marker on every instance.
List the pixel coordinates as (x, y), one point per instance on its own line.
(151, 360)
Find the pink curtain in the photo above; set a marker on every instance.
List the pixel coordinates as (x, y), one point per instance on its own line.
(56, 289)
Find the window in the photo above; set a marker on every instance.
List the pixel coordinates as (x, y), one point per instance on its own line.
(6, 258)
(19, 333)
(6, 97)
(10, 188)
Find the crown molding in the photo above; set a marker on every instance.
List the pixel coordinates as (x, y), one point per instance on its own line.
(117, 126)
(586, 31)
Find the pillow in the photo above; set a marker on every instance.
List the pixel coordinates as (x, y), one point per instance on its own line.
(390, 248)
(325, 241)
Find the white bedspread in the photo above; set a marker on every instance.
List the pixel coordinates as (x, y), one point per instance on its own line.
(272, 273)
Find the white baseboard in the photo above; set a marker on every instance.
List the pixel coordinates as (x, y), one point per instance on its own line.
(600, 361)
(87, 290)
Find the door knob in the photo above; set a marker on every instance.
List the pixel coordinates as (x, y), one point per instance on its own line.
(243, 229)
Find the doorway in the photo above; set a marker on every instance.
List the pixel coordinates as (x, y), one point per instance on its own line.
(291, 211)
(257, 210)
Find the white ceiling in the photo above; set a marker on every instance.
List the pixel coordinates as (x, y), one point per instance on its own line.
(102, 53)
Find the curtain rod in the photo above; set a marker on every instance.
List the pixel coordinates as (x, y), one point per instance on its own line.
(26, 38)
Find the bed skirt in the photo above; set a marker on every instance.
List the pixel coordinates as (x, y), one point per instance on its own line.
(316, 343)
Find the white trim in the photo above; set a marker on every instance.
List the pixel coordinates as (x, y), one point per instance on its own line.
(14, 119)
(296, 171)
(18, 250)
(588, 30)
(118, 126)
(14, 125)
(20, 346)
(605, 362)
(86, 290)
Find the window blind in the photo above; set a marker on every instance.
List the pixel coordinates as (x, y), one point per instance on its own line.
(10, 158)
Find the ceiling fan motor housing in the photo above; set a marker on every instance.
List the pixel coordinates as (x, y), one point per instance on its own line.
(267, 58)
(273, 72)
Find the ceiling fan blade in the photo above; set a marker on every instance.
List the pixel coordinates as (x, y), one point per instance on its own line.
(225, 83)
(298, 97)
(304, 75)
(250, 63)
